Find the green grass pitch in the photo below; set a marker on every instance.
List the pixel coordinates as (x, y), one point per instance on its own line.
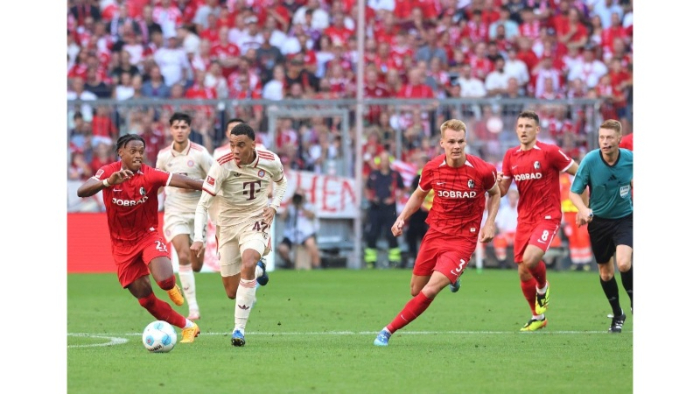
(312, 332)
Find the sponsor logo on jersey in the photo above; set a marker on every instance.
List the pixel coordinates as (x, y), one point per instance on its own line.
(456, 194)
(128, 203)
(261, 173)
(528, 176)
(210, 180)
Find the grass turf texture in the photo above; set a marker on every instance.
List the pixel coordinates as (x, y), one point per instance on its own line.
(312, 332)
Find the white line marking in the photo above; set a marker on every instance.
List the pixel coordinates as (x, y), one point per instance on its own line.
(116, 339)
(112, 340)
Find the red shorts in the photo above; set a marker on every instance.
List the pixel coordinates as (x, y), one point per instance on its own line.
(446, 254)
(538, 234)
(132, 259)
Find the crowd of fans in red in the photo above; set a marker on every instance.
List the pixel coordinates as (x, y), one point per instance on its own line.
(307, 49)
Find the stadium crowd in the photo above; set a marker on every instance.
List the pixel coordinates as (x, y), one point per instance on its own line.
(307, 49)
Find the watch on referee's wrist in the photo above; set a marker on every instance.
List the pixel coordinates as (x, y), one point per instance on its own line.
(106, 183)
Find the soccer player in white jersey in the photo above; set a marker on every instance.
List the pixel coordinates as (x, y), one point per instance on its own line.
(187, 158)
(245, 217)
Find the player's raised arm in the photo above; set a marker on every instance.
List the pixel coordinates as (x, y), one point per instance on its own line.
(93, 185)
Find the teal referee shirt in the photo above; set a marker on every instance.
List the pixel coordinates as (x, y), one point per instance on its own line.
(609, 185)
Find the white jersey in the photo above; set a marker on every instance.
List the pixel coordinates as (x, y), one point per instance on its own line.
(219, 153)
(241, 191)
(194, 161)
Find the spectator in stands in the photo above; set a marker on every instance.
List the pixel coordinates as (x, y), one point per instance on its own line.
(124, 89)
(510, 27)
(78, 92)
(267, 56)
(83, 9)
(319, 17)
(590, 70)
(123, 66)
(573, 31)
(299, 229)
(251, 37)
(296, 73)
(274, 88)
(215, 80)
(168, 16)
(516, 68)
(172, 61)
(431, 49)
(145, 25)
(155, 87)
(79, 169)
(201, 16)
(96, 85)
(496, 82)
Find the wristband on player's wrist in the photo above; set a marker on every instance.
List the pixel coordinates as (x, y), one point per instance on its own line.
(106, 183)
(198, 240)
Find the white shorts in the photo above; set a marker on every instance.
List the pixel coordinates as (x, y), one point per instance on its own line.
(231, 240)
(179, 223)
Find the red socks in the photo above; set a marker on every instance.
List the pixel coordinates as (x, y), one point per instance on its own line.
(168, 283)
(540, 274)
(161, 310)
(529, 292)
(410, 312)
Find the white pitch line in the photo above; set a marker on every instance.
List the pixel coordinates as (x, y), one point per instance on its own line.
(112, 340)
(295, 333)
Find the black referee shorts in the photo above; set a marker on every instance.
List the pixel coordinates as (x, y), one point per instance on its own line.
(606, 234)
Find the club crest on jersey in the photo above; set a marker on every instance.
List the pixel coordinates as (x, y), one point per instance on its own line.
(210, 180)
(142, 191)
(470, 184)
(190, 163)
(261, 173)
(537, 165)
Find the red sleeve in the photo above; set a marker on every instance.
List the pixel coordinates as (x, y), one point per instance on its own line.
(559, 159)
(103, 172)
(506, 165)
(426, 178)
(158, 177)
(489, 176)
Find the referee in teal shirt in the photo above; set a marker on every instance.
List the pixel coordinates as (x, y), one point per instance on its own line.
(607, 173)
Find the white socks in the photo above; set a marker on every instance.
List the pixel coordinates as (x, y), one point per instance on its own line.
(245, 297)
(188, 287)
(258, 271)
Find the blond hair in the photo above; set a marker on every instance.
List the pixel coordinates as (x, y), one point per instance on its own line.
(454, 124)
(612, 124)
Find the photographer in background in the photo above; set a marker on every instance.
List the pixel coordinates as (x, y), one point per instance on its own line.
(299, 229)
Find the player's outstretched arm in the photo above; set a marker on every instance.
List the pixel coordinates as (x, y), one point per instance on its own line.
(414, 202)
(185, 182)
(503, 183)
(93, 185)
(488, 232)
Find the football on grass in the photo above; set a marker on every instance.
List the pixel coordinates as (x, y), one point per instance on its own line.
(159, 337)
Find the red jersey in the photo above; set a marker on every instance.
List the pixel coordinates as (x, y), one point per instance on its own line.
(627, 142)
(132, 206)
(536, 175)
(460, 194)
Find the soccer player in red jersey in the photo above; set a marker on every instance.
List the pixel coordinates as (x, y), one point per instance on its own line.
(130, 193)
(535, 166)
(627, 141)
(460, 183)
